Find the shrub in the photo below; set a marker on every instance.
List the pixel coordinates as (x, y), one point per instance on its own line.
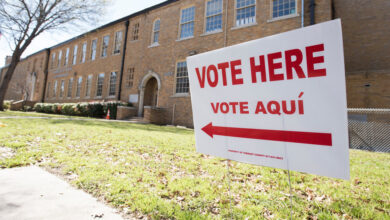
(92, 109)
(6, 105)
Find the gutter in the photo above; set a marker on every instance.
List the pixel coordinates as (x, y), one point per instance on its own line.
(312, 12)
(123, 60)
(46, 72)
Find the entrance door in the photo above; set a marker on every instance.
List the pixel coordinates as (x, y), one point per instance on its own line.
(151, 92)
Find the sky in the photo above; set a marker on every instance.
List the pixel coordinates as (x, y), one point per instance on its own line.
(115, 10)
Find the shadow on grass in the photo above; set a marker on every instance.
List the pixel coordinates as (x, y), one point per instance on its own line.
(124, 126)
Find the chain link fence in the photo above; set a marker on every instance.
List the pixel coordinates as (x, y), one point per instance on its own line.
(369, 129)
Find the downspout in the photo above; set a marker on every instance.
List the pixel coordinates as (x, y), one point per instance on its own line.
(226, 22)
(303, 13)
(46, 73)
(312, 12)
(123, 60)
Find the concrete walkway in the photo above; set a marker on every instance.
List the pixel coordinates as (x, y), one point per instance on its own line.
(31, 193)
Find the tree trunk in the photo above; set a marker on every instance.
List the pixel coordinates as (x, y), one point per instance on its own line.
(7, 78)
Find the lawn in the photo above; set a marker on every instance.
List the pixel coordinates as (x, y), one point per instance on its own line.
(154, 172)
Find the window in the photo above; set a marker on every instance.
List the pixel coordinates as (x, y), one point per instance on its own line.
(118, 42)
(93, 49)
(70, 87)
(88, 86)
(55, 89)
(84, 53)
(156, 32)
(66, 57)
(48, 90)
(182, 82)
(53, 60)
(106, 39)
(112, 90)
(214, 15)
(187, 22)
(78, 89)
(135, 31)
(59, 58)
(62, 89)
(76, 47)
(130, 78)
(99, 86)
(283, 7)
(245, 12)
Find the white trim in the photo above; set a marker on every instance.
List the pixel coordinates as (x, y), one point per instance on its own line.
(180, 95)
(154, 45)
(212, 32)
(243, 26)
(283, 17)
(182, 39)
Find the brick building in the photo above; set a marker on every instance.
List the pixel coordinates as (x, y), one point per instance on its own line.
(141, 58)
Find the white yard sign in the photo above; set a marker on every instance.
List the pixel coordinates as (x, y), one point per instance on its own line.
(279, 101)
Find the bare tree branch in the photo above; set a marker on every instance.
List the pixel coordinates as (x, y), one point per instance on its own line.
(24, 20)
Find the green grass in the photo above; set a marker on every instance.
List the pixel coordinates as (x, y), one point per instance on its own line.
(155, 172)
(35, 114)
(29, 114)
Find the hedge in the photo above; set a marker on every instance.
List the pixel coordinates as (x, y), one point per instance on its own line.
(88, 109)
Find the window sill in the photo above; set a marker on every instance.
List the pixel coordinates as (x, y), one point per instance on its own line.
(211, 33)
(244, 26)
(180, 95)
(154, 45)
(116, 54)
(110, 97)
(183, 39)
(283, 17)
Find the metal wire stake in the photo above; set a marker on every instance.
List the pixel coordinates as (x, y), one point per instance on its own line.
(291, 203)
(230, 194)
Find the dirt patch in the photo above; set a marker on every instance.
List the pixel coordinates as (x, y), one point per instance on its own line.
(6, 153)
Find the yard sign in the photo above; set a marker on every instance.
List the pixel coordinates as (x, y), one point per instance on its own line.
(279, 101)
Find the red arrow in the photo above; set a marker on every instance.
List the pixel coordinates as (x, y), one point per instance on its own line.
(270, 135)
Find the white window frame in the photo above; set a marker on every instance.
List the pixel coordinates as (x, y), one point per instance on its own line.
(48, 90)
(206, 17)
(105, 47)
(181, 24)
(55, 89)
(154, 32)
(176, 77)
(70, 88)
(84, 52)
(62, 88)
(93, 49)
(284, 16)
(59, 59)
(78, 86)
(67, 56)
(53, 60)
(88, 86)
(235, 15)
(118, 44)
(112, 86)
(75, 50)
(97, 85)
